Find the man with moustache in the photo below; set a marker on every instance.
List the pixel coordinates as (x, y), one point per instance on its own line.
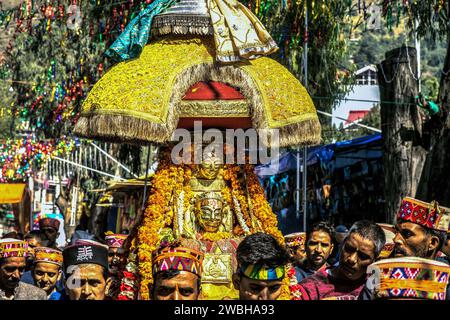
(360, 248)
(116, 261)
(12, 265)
(420, 231)
(86, 271)
(320, 242)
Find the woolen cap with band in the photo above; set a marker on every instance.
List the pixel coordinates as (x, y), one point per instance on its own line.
(409, 278)
(427, 215)
(10, 248)
(177, 258)
(115, 240)
(49, 255)
(295, 239)
(85, 252)
(49, 223)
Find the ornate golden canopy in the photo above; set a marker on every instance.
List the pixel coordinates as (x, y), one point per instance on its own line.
(141, 100)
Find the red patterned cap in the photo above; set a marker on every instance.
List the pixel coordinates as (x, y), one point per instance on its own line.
(428, 215)
(10, 248)
(409, 278)
(115, 240)
(177, 258)
(295, 239)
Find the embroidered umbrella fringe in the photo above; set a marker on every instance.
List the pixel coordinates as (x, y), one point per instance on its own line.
(133, 129)
(182, 24)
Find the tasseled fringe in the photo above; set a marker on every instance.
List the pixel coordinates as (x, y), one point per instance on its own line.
(120, 128)
(307, 132)
(173, 24)
(136, 130)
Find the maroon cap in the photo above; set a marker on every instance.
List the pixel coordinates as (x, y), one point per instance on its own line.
(49, 222)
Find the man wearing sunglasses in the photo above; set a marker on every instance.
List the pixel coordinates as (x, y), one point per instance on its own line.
(13, 254)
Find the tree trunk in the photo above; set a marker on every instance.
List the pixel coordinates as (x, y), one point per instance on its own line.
(435, 180)
(401, 125)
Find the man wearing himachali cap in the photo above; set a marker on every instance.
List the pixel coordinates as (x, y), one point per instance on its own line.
(116, 260)
(420, 232)
(177, 273)
(50, 227)
(86, 270)
(13, 254)
(116, 256)
(421, 229)
(46, 270)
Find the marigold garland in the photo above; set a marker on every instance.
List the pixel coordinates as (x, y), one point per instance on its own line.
(158, 214)
(167, 184)
(214, 236)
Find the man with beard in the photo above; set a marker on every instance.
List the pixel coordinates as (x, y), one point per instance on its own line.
(420, 232)
(50, 227)
(86, 270)
(116, 260)
(261, 267)
(47, 271)
(12, 265)
(360, 248)
(445, 256)
(320, 242)
(421, 229)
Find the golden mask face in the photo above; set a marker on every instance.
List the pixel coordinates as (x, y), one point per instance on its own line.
(210, 167)
(209, 213)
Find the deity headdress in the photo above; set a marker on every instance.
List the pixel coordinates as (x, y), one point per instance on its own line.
(428, 215)
(177, 258)
(205, 197)
(409, 278)
(13, 248)
(49, 255)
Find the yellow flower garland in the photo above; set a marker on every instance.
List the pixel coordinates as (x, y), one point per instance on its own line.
(210, 236)
(158, 214)
(168, 183)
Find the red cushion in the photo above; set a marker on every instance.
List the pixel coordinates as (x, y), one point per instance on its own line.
(212, 90)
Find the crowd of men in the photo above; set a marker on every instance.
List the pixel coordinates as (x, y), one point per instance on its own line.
(358, 263)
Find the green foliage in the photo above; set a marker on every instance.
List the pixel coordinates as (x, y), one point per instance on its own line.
(328, 20)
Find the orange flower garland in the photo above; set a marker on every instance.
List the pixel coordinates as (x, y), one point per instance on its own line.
(158, 214)
(230, 175)
(167, 184)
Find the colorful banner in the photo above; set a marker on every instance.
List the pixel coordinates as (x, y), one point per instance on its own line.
(11, 192)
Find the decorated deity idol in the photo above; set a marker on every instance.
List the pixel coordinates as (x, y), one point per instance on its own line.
(200, 60)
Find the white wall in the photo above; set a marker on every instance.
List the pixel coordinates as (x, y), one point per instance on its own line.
(359, 93)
